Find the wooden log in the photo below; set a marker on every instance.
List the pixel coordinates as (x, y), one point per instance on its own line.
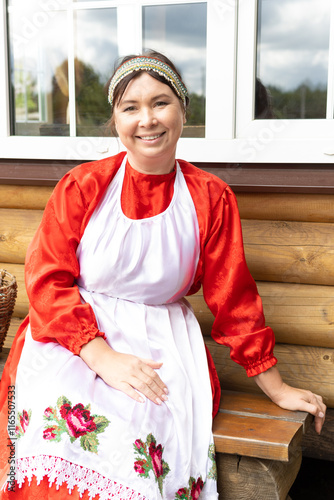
(286, 207)
(3, 358)
(290, 252)
(24, 197)
(246, 478)
(300, 366)
(262, 206)
(17, 228)
(13, 327)
(22, 303)
(299, 314)
(320, 447)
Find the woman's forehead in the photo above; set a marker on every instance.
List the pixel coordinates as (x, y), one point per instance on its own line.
(144, 85)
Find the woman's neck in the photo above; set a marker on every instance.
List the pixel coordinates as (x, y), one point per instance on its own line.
(151, 166)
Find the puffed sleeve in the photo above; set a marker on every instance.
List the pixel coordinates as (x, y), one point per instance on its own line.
(231, 293)
(56, 312)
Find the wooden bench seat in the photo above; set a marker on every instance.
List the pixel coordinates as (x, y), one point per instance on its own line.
(258, 447)
(251, 425)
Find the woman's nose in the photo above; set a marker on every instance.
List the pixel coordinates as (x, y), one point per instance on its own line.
(147, 118)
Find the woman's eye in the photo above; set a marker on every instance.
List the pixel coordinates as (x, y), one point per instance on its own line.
(129, 108)
(161, 103)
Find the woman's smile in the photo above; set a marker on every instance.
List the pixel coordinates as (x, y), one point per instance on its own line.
(150, 138)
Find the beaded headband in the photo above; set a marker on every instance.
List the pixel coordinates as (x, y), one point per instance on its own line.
(147, 64)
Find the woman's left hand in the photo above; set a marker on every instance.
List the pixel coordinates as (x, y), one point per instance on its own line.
(291, 398)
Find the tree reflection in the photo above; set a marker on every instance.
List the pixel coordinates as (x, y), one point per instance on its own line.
(303, 102)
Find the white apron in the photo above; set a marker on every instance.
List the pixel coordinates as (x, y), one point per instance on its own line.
(73, 427)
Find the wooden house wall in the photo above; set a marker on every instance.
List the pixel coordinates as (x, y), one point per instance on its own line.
(289, 246)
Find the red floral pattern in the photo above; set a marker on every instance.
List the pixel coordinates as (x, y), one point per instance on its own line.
(195, 486)
(149, 458)
(76, 421)
(23, 420)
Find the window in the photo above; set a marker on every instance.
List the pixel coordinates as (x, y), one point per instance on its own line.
(288, 47)
(260, 74)
(292, 59)
(62, 54)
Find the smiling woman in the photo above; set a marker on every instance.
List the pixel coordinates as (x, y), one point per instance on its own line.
(149, 103)
(123, 408)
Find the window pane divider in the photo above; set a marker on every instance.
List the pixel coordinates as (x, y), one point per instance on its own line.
(220, 69)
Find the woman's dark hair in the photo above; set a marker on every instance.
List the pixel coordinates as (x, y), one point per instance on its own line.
(121, 87)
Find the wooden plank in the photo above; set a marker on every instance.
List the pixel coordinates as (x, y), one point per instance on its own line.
(255, 437)
(298, 313)
(286, 207)
(17, 227)
(24, 197)
(294, 252)
(260, 406)
(301, 366)
(22, 303)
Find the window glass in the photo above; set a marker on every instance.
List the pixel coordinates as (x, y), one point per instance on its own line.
(179, 32)
(292, 59)
(94, 62)
(38, 70)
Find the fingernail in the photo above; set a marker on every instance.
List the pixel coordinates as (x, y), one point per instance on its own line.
(158, 400)
(164, 397)
(166, 390)
(141, 400)
(321, 415)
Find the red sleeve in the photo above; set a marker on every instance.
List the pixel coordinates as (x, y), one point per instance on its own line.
(231, 292)
(56, 312)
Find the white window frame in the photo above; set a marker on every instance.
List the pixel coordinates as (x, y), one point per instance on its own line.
(277, 141)
(232, 135)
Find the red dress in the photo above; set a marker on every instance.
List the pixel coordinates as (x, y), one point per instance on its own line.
(56, 312)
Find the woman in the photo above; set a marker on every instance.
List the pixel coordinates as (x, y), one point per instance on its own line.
(115, 390)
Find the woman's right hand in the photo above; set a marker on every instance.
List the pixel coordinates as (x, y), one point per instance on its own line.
(125, 372)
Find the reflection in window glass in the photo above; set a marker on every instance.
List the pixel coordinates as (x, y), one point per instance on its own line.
(38, 69)
(292, 59)
(179, 32)
(94, 61)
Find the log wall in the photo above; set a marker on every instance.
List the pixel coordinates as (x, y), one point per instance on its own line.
(289, 246)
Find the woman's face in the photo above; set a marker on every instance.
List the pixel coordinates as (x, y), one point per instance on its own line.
(149, 120)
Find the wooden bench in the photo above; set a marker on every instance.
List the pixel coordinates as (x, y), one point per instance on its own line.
(259, 445)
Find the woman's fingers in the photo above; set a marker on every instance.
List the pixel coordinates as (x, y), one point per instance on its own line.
(303, 400)
(133, 375)
(318, 410)
(147, 381)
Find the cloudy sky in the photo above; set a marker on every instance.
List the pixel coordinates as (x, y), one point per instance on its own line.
(293, 42)
(292, 49)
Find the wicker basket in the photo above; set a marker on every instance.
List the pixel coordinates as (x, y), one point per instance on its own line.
(8, 293)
